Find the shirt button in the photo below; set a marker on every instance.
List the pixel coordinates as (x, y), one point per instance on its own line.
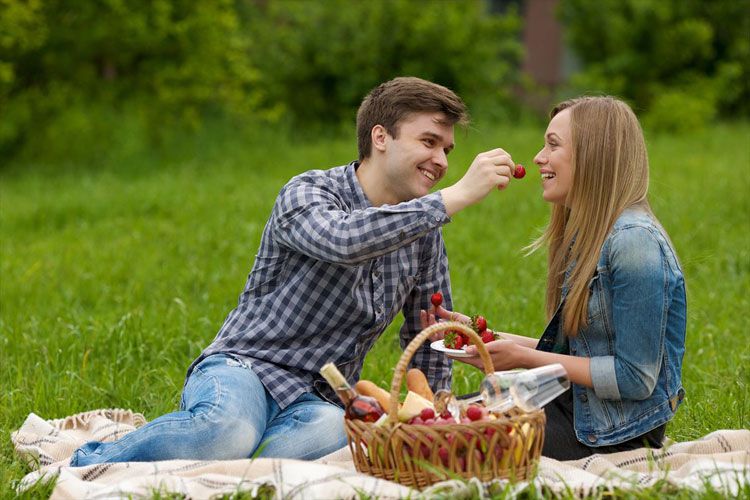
(591, 438)
(375, 274)
(379, 311)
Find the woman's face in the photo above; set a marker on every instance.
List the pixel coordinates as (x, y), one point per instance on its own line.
(554, 159)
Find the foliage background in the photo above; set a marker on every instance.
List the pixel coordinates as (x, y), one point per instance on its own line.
(142, 144)
(86, 80)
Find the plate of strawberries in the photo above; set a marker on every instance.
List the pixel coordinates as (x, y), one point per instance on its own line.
(439, 345)
(454, 343)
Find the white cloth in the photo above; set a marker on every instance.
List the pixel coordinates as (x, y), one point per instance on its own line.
(720, 459)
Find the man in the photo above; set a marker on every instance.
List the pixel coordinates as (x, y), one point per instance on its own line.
(343, 251)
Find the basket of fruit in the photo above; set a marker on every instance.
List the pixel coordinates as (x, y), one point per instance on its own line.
(417, 447)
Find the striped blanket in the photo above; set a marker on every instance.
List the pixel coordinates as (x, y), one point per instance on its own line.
(721, 459)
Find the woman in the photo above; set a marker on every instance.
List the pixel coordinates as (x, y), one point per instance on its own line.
(615, 292)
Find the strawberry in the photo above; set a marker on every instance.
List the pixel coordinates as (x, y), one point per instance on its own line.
(520, 172)
(427, 413)
(436, 299)
(488, 336)
(478, 323)
(474, 412)
(453, 340)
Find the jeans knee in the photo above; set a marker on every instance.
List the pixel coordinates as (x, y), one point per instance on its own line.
(229, 438)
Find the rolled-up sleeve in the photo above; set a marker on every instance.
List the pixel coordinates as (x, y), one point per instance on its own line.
(640, 302)
(312, 220)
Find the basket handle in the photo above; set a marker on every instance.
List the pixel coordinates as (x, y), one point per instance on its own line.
(408, 353)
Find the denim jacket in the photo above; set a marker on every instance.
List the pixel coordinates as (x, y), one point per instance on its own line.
(635, 336)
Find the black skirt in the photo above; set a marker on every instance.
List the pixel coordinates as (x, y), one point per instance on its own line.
(560, 440)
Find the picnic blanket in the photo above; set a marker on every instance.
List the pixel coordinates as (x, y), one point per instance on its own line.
(721, 460)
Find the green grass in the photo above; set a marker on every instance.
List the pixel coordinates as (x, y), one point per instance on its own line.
(113, 277)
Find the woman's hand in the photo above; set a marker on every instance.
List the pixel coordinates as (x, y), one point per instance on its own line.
(503, 353)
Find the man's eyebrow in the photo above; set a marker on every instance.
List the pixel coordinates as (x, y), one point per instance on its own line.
(438, 138)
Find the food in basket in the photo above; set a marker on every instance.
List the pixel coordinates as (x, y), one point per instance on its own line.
(417, 382)
(356, 406)
(413, 406)
(367, 388)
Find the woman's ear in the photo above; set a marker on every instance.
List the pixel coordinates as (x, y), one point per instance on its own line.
(378, 136)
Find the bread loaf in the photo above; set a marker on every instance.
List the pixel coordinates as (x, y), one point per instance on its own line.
(367, 388)
(417, 382)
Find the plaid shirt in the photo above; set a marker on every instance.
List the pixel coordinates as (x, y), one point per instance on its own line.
(331, 274)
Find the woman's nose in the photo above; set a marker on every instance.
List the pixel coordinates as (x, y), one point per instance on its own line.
(540, 157)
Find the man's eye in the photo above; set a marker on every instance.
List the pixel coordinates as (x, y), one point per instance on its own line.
(428, 142)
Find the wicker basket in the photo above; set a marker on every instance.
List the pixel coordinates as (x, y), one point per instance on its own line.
(420, 455)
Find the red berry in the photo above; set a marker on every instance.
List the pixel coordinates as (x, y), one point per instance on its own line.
(480, 323)
(453, 340)
(520, 172)
(427, 413)
(436, 299)
(474, 412)
(488, 336)
(444, 455)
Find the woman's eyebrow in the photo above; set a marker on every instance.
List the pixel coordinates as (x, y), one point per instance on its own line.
(552, 135)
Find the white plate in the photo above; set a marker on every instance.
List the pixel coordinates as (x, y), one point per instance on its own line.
(438, 345)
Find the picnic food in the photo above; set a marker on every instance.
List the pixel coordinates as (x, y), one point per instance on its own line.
(519, 172)
(417, 382)
(356, 406)
(413, 406)
(367, 388)
(436, 299)
(457, 340)
(419, 444)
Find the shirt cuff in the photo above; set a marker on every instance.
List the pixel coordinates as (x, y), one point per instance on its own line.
(604, 378)
(437, 207)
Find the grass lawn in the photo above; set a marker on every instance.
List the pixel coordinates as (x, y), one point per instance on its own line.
(114, 277)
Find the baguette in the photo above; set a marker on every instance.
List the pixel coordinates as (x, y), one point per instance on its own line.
(367, 388)
(417, 382)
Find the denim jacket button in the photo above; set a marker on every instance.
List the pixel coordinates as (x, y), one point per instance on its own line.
(583, 397)
(591, 438)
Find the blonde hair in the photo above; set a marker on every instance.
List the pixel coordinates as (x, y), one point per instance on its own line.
(609, 166)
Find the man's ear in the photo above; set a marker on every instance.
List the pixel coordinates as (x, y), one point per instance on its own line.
(378, 136)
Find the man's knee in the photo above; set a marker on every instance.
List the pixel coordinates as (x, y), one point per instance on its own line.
(227, 439)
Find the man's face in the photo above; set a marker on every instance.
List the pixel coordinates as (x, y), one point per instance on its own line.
(417, 159)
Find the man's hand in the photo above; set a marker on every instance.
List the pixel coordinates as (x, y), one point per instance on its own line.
(489, 170)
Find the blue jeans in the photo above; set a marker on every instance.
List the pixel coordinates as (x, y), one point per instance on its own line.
(226, 413)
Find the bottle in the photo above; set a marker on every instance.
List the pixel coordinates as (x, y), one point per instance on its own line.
(529, 390)
(356, 406)
(532, 389)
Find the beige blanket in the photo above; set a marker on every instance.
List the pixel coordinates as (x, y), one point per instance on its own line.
(721, 459)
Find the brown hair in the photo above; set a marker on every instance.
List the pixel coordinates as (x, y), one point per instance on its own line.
(610, 173)
(391, 102)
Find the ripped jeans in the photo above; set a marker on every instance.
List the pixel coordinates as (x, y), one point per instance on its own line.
(226, 413)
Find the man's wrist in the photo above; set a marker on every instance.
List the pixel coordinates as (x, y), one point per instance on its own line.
(453, 200)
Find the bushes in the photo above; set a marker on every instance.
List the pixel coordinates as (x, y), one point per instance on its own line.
(682, 61)
(167, 63)
(161, 61)
(318, 59)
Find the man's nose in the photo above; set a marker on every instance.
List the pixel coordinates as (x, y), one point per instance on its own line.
(441, 159)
